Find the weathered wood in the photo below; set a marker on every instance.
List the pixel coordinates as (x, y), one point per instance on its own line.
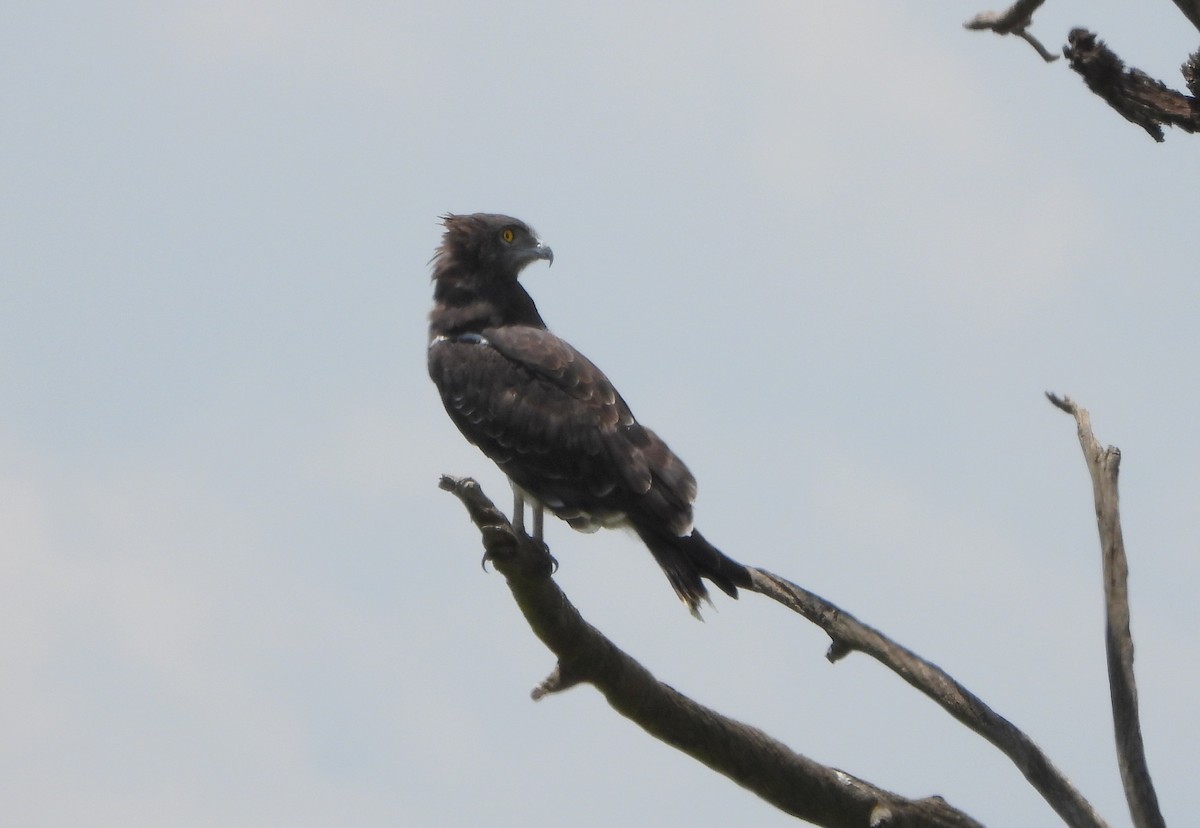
(1103, 465)
(789, 781)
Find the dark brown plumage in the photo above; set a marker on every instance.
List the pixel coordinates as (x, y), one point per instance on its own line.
(550, 418)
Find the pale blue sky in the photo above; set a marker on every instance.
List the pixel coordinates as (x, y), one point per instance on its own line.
(833, 254)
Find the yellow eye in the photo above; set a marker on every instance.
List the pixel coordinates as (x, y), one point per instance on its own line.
(508, 235)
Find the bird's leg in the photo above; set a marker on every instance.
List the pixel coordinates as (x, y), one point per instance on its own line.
(518, 515)
(538, 515)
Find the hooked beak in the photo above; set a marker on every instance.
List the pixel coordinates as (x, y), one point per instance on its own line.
(543, 251)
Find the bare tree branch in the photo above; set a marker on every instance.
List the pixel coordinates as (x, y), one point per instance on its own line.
(1191, 73)
(1015, 20)
(849, 634)
(1139, 98)
(1103, 465)
(791, 782)
(1191, 10)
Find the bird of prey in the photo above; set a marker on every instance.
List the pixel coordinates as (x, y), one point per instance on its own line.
(547, 416)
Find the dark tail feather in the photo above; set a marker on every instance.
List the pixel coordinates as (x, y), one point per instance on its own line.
(686, 560)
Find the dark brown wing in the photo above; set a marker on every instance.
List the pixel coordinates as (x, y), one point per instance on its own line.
(556, 426)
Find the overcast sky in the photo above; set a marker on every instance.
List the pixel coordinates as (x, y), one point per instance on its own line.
(833, 253)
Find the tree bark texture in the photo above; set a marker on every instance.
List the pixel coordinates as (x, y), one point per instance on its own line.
(793, 783)
(1103, 465)
(1139, 98)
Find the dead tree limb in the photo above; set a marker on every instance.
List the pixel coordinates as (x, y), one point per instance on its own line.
(848, 634)
(1191, 10)
(791, 782)
(1103, 465)
(1015, 20)
(1139, 98)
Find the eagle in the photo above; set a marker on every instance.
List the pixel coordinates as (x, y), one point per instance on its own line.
(547, 416)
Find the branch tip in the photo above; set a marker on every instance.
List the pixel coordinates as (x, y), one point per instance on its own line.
(881, 816)
(837, 651)
(558, 680)
(1015, 20)
(1064, 403)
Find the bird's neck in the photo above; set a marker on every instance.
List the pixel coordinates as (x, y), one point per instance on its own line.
(460, 309)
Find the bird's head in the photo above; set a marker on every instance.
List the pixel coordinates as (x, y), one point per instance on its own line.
(490, 243)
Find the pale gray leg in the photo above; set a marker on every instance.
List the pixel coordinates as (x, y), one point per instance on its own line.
(538, 514)
(518, 515)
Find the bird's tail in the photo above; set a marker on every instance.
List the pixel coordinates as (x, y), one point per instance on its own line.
(687, 559)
